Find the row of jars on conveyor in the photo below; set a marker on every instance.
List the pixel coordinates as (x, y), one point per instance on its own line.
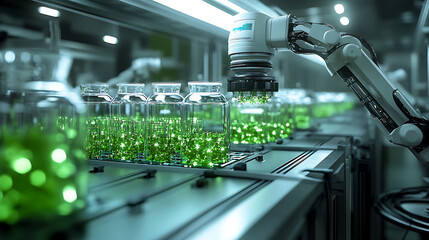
(164, 128)
(194, 131)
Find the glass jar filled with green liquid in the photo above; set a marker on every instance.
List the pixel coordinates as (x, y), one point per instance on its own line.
(163, 124)
(302, 107)
(249, 123)
(205, 118)
(97, 100)
(42, 160)
(127, 131)
(279, 119)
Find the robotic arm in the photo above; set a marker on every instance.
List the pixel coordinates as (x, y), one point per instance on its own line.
(251, 46)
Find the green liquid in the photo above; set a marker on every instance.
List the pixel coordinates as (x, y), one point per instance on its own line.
(279, 130)
(302, 117)
(40, 173)
(259, 132)
(127, 139)
(163, 141)
(97, 141)
(248, 132)
(254, 98)
(205, 149)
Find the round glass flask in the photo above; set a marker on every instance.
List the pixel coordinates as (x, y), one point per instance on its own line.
(205, 118)
(42, 161)
(97, 101)
(127, 134)
(163, 124)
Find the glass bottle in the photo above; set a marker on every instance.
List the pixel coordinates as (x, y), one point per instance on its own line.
(279, 119)
(42, 161)
(302, 110)
(248, 124)
(205, 126)
(128, 123)
(163, 124)
(97, 101)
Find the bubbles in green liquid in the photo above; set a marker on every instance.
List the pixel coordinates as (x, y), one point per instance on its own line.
(38, 178)
(205, 149)
(97, 141)
(21, 165)
(127, 138)
(5, 182)
(69, 194)
(31, 160)
(59, 155)
(163, 141)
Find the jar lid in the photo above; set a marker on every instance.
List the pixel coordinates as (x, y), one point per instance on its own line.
(166, 84)
(193, 83)
(132, 88)
(166, 87)
(130, 84)
(94, 87)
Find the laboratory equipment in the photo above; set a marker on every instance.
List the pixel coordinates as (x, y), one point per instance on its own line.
(163, 139)
(127, 135)
(302, 107)
(97, 100)
(41, 144)
(248, 123)
(255, 36)
(205, 118)
(280, 121)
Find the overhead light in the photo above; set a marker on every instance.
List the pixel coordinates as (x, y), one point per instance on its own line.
(344, 20)
(201, 10)
(231, 5)
(9, 56)
(110, 39)
(339, 8)
(49, 11)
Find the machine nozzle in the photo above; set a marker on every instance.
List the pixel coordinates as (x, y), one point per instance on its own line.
(251, 83)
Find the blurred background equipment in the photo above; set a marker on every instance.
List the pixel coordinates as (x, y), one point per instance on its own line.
(84, 154)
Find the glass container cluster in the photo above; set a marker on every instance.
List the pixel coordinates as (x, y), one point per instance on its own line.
(164, 128)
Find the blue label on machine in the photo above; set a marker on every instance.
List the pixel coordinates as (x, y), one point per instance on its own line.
(246, 26)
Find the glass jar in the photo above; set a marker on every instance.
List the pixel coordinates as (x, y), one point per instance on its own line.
(324, 105)
(279, 119)
(248, 123)
(163, 124)
(127, 131)
(97, 101)
(205, 126)
(302, 110)
(42, 161)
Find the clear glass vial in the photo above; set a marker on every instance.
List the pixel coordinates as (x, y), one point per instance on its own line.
(127, 131)
(98, 101)
(163, 124)
(205, 118)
